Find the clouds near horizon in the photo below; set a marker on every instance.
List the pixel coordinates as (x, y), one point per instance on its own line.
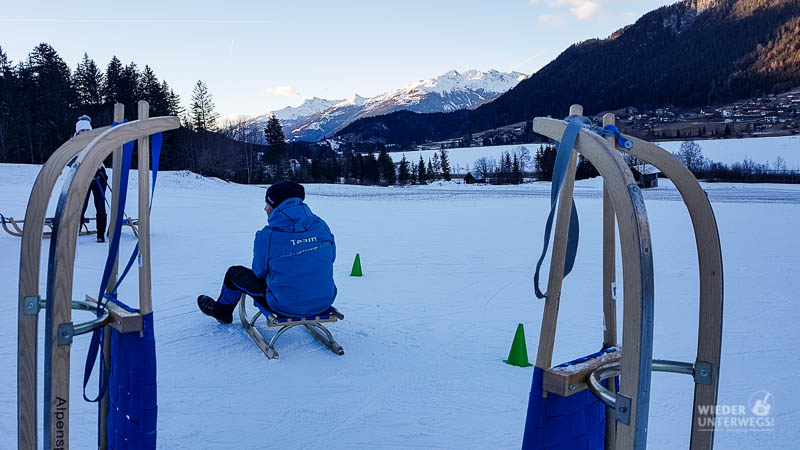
(581, 9)
(283, 91)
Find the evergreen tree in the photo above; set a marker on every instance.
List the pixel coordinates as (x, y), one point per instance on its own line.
(128, 89)
(333, 171)
(87, 82)
(174, 107)
(112, 87)
(371, 173)
(445, 162)
(430, 173)
(403, 174)
(422, 177)
(436, 173)
(47, 91)
(545, 161)
(150, 89)
(386, 167)
(505, 168)
(516, 172)
(414, 173)
(201, 112)
(275, 139)
(7, 87)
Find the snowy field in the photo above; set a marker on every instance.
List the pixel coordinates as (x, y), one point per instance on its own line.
(447, 277)
(728, 151)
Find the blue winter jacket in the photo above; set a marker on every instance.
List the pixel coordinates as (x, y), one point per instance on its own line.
(295, 254)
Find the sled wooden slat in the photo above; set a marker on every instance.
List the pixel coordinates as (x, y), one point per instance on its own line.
(273, 320)
(609, 256)
(566, 381)
(30, 257)
(122, 320)
(609, 287)
(547, 335)
(116, 162)
(145, 287)
(637, 274)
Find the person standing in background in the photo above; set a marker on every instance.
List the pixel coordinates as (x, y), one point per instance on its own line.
(98, 187)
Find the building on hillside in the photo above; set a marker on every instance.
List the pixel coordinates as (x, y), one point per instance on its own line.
(646, 176)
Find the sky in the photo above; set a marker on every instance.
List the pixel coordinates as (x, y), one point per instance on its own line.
(261, 56)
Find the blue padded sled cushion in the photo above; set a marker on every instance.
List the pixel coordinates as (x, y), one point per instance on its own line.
(577, 422)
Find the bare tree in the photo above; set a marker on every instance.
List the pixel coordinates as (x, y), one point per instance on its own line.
(524, 156)
(691, 155)
(483, 167)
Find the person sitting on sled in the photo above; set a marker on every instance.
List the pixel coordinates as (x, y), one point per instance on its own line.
(293, 255)
(97, 189)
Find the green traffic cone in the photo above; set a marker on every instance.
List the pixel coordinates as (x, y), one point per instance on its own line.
(518, 356)
(356, 272)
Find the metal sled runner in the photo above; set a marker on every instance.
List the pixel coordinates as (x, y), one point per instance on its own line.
(314, 325)
(16, 228)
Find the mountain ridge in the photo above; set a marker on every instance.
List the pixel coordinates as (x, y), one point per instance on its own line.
(691, 53)
(450, 91)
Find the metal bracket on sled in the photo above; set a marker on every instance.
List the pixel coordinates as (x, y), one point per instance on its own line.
(703, 372)
(32, 305)
(65, 333)
(623, 409)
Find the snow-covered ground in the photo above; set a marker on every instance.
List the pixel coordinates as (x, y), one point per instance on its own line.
(447, 277)
(728, 151)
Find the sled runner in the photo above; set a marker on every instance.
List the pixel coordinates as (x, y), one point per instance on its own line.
(314, 325)
(17, 225)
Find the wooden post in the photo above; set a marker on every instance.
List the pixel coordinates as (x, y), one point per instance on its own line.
(119, 117)
(609, 296)
(547, 335)
(145, 302)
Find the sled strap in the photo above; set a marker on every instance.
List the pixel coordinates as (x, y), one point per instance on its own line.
(563, 154)
(156, 140)
(94, 346)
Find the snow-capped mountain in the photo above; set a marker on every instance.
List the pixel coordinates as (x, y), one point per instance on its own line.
(308, 108)
(448, 92)
(291, 116)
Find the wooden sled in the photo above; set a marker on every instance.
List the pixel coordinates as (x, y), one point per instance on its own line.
(314, 325)
(17, 226)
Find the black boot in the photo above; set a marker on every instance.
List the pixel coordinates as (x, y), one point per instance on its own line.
(220, 311)
(102, 218)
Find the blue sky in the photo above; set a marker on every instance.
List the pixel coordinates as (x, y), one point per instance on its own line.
(264, 55)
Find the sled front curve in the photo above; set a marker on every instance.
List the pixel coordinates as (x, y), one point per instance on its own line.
(61, 270)
(709, 255)
(637, 263)
(705, 369)
(29, 266)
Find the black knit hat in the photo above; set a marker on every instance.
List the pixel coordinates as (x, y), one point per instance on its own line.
(283, 190)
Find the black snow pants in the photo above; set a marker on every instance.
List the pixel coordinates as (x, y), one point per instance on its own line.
(238, 280)
(97, 190)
